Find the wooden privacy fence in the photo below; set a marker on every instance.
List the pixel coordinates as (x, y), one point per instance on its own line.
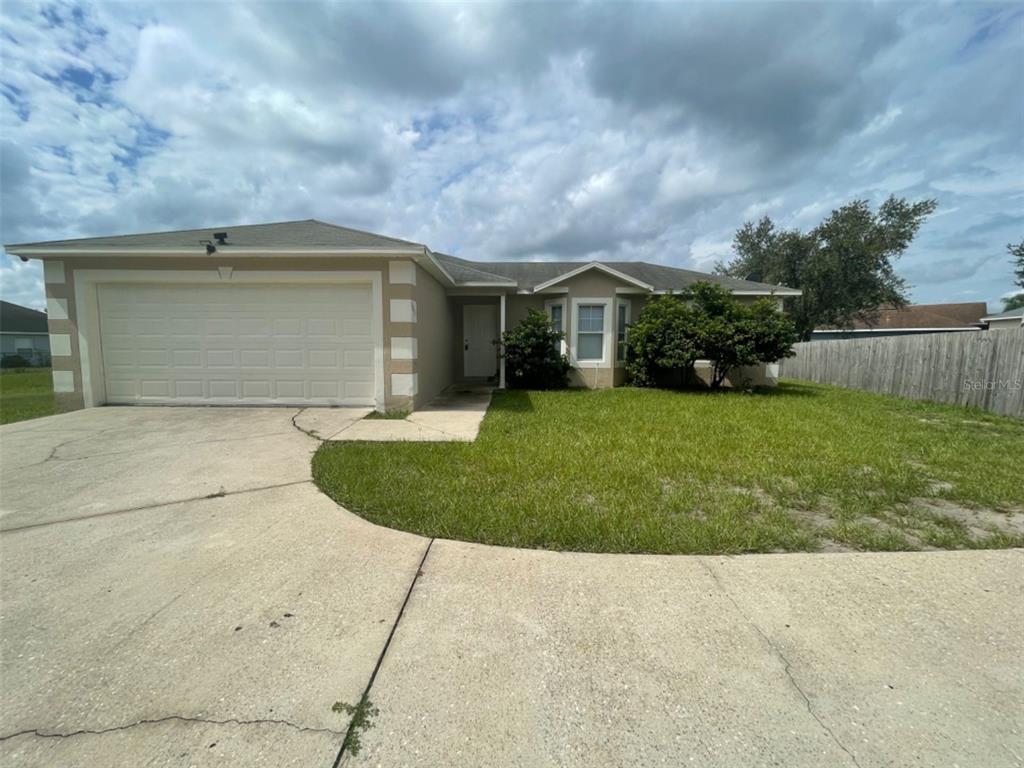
(983, 369)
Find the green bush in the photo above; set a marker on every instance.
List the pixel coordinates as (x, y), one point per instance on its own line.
(660, 340)
(532, 356)
(705, 322)
(14, 361)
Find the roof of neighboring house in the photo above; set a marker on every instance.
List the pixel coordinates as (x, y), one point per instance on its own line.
(308, 233)
(312, 235)
(1010, 314)
(15, 318)
(921, 316)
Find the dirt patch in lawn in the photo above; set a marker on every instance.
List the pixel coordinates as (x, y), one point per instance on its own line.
(979, 522)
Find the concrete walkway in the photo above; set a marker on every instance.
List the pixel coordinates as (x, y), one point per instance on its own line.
(453, 416)
(175, 591)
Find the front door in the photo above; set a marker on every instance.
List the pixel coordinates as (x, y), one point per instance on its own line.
(479, 332)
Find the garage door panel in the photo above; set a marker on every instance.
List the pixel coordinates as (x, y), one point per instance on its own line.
(356, 328)
(187, 358)
(292, 390)
(186, 388)
(228, 389)
(220, 358)
(325, 389)
(240, 343)
(254, 358)
(155, 388)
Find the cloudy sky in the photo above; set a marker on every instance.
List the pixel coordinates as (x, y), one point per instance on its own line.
(495, 131)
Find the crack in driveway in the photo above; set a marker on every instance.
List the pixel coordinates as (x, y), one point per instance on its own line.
(169, 718)
(218, 495)
(786, 664)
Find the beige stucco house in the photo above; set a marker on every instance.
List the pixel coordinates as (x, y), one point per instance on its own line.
(308, 313)
(1002, 321)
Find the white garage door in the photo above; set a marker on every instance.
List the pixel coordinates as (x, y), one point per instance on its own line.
(287, 344)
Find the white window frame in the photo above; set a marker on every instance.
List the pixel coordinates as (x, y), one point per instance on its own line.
(628, 305)
(606, 341)
(565, 321)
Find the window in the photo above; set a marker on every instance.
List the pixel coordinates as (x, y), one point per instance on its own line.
(556, 317)
(556, 311)
(621, 326)
(590, 332)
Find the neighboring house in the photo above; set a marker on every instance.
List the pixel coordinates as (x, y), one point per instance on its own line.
(1011, 318)
(23, 334)
(308, 313)
(911, 319)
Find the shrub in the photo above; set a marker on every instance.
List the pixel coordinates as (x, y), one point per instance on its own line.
(532, 356)
(706, 322)
(732, 335)
(660, 340)
(13, 361)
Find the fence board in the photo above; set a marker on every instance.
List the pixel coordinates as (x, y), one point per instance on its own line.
(984, 369)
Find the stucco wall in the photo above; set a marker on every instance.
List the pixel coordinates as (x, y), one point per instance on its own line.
(1007, 324)
(435, 337)
(399, 375)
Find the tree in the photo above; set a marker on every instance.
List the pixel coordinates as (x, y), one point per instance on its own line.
(1016, 252)
(660, 340)
(532, 356)
(732, 335)
(706, 322)
(844, 266)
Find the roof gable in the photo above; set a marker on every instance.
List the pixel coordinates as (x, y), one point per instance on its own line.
(586, 268)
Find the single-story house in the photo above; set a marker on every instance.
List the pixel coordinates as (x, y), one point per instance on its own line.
(309, 313)
(1011, 318)
(910, 320)
(24, 336)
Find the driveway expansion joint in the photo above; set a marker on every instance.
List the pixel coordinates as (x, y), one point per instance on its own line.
(364, 700)
(786, 664)
(170, 718)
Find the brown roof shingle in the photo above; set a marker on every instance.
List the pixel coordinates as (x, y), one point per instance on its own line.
(926, 316)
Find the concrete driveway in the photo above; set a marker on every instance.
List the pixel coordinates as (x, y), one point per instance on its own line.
(176, 592)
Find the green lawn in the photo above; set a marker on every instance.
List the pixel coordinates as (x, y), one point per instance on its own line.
(26, 393)
(805, 467)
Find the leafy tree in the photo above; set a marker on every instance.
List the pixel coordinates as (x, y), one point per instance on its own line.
(1016, 252)
(660, 340)
(532, 356)
(706, 322)
(844, 266)
(732, 335)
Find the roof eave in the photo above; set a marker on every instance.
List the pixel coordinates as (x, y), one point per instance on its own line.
(224, 250)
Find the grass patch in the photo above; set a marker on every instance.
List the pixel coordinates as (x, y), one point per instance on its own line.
(801, 468)
(387, 415)
(26, 393)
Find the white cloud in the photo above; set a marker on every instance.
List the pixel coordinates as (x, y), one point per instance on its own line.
(511, 130)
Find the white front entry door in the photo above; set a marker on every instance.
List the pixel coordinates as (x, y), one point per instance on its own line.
(479, 331)
(245, 344)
